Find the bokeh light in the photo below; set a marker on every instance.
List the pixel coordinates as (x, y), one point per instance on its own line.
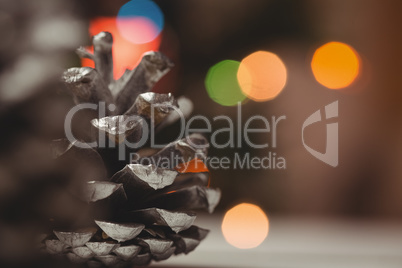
(221, 83)
(126, 55)
(140, 21)
(245, 226)
(262, 76)
(335, 65)
(193, 166)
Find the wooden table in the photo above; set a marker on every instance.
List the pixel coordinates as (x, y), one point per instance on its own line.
(301, 242)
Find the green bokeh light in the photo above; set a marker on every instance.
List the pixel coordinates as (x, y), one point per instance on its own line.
(221, 83)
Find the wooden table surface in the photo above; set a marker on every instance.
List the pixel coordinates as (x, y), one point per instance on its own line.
(301, 242)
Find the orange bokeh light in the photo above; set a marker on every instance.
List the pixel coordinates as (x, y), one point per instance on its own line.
(245, 226)
(262, 76)
(126, 55)
(193, 166)
(335, 65)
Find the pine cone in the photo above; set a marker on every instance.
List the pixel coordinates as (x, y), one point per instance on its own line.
(145, 210)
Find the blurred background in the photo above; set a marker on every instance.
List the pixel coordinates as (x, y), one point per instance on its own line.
(197, 35)
(306, 54)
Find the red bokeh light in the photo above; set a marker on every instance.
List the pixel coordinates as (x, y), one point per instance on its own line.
(126, 55)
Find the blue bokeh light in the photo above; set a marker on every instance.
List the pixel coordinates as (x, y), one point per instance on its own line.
(141, 9)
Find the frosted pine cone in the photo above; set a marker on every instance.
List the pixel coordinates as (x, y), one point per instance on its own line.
(128, 213)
